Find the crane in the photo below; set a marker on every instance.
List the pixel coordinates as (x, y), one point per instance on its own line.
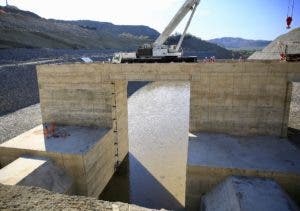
(158, 51)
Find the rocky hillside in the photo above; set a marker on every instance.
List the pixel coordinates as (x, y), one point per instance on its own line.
(22, 29)
(138, 31)
(233, 43)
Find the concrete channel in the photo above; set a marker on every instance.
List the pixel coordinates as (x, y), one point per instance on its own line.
(247, 103)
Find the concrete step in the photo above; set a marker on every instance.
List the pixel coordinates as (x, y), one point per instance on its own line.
(38, 172)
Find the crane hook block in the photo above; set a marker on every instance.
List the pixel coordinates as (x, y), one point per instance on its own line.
(289, 20)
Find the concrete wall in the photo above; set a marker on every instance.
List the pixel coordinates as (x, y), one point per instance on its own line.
(75, 95)
(243, 98)
(249, 99)
(99, 166)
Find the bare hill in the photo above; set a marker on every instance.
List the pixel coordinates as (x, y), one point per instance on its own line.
(21, 29)
(234, 43)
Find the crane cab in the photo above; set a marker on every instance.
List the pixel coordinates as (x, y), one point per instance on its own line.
(167, 51)
(160, 51)
(121, 57)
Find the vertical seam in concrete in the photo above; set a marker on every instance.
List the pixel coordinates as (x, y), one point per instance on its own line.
(115, 130)
(63, 162)
(286, 108)
(84, 170)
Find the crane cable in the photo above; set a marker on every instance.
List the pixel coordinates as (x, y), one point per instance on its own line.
(291, 8)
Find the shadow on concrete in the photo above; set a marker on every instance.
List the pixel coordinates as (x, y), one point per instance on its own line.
(134, 184)
(294, 136)
(134, 86)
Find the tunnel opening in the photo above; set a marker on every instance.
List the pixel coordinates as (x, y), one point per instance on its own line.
(153, 173)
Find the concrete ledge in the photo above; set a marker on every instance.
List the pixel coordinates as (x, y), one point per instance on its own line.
(214, 157)
(247, 194)
(79, 141)
(38, 172)
(87, 154)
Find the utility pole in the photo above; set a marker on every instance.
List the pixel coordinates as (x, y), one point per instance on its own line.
(6, 3)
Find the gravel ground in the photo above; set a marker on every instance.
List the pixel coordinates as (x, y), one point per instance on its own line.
(33, 198)
(18, 83)
(11, 56)
(19, 122)
(18, 88)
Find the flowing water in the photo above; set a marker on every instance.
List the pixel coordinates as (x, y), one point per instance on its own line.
(153, 174)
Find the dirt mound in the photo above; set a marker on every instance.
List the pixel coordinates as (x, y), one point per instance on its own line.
(33, 198)
(289, 42)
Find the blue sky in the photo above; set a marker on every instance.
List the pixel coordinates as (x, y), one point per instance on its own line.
(251, 19)
(257, 19)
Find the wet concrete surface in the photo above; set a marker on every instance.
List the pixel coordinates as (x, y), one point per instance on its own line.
(261, 153)
(69, 140)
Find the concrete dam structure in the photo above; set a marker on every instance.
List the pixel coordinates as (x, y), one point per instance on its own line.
(247, 101)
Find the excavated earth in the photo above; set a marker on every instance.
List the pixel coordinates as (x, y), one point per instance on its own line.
(33, 198)
(289, 42)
